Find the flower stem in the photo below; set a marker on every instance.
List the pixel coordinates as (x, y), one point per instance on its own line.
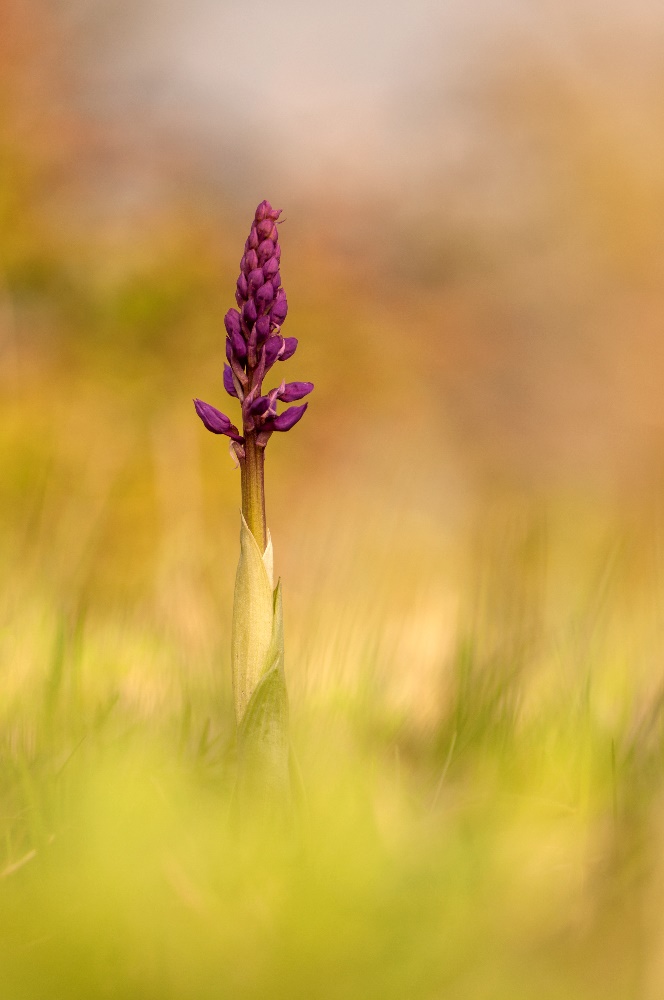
(253, 489)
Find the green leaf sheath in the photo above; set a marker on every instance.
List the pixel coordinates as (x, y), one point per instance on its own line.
(263, 745)
(253, 617)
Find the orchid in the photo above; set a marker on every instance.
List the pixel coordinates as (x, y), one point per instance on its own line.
(254, 345)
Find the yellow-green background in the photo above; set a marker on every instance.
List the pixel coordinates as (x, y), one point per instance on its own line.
(467, 523)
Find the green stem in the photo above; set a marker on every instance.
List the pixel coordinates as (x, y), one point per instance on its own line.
(253, 489)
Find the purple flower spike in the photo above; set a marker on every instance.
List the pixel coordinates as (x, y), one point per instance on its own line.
(287, 419)
(229, 384)
(290, 347)
(254, 344)
(295, 390)
(216, 421)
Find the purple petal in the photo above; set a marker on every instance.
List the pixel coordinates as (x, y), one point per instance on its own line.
(215, 420)
(264, 229)
(270, 268)
(288, 418)
(229, 384)
(263, 211)
(242, 286)
(265, 251)
(253, 240)
(232, 321)
(279, 310)
(255, 279)
(264, 295)
(249, 313)
(272, 348)
(260, 405)
(290, 346)
(250, 261)
(262, 329)
(239, 346)
(295, 390)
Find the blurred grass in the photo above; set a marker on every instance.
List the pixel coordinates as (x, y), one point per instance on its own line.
(492, 830)
(473, 617)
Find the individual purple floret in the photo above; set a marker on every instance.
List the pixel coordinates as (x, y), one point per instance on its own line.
(216, 421)
(254, 342)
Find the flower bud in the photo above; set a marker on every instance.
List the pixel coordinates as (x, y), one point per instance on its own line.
(270, 268)
(264, 296)
(255, 279)
(279, 310)
(272, 348)
(290, 346)
(229, 384)
(242, 286)
(295, 390)
(265, 251)
(249, 313)
(259, 405)
(232, 322)
(262, 329)
(216, 421)
(287, 419)
(239, 345)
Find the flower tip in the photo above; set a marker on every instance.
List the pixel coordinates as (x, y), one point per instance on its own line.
(265, 211)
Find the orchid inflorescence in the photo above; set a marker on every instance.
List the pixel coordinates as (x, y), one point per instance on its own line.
(253, 346)
(254, 343)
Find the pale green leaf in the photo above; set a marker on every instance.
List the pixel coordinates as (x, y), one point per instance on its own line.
(263, 745)
(252, 621)
(268, 558)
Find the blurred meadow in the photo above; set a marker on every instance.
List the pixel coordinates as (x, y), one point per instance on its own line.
(468, 523)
